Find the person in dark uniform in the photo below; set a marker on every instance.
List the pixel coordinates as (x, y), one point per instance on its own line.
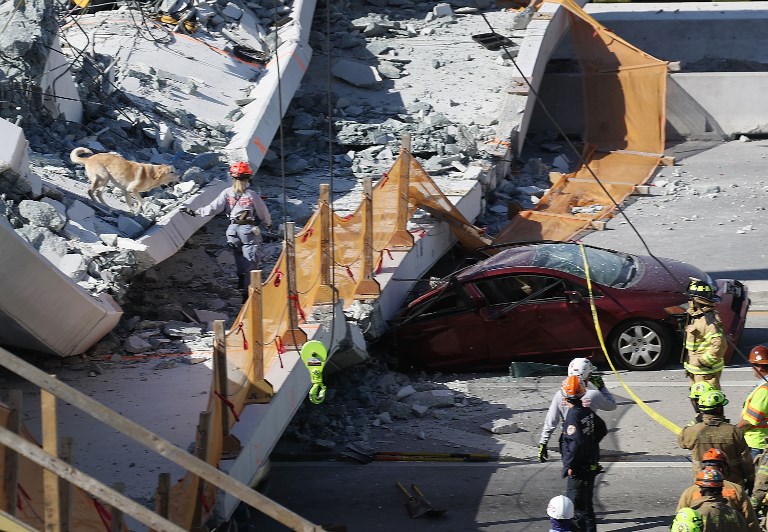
(580, 448)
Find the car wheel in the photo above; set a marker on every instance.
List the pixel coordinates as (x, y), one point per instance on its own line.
(641, 345)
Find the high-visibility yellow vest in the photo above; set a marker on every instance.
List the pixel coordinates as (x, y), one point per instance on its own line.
(755, 411)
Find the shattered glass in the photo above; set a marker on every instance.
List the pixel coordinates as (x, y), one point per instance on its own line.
(605, 267)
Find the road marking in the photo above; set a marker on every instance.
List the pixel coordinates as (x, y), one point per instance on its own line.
(672, 463)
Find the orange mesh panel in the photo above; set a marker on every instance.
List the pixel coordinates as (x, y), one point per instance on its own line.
(385, 204)
(275, 309)
(424, 193)
(624, 100)
(181, 501)
(309, 261)
(348, 238)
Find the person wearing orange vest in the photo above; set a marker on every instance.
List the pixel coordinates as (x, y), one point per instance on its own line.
(754, 414)
(732, 492)
(704, 339)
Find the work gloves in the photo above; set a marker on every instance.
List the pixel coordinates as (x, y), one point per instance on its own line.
(597, 380)
(543, 453)
(187, 210)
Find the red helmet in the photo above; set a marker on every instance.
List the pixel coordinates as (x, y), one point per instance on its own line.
(709, 478)
(759, 356)
(573, 387)
(240, 170)
(714, 455)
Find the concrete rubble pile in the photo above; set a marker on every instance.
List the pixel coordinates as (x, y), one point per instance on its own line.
(121, 111)
(380, 52)
(369, 396)
(91, 244)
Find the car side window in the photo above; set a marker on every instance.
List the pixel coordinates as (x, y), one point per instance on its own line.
(515, 288)
(451, 299)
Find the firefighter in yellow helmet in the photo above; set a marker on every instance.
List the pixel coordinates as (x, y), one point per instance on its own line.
(686, 520)
(715, 431)
(754, 414)
(704, 339)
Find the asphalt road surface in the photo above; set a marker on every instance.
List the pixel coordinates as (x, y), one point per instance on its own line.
(645, 470)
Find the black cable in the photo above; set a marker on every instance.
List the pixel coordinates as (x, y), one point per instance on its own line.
(331, 212)
(578, 154)
(16, 7)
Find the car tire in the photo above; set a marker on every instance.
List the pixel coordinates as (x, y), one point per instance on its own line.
(640, 345)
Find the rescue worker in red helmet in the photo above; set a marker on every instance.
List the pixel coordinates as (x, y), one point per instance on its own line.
(754, 414)
(246, 210)
(732, 492)
(580, 449)
(716, 514)
(715, 431)
(704, 339)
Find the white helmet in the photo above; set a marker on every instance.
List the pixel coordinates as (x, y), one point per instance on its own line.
(560, 507)
(581, 367)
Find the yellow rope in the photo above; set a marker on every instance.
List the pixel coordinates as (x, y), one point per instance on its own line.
(658, 418)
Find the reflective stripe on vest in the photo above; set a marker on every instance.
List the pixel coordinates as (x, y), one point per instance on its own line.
(752, 411)
(704, 343)
(698, 370)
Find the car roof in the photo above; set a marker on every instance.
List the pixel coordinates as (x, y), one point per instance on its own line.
(523, 254)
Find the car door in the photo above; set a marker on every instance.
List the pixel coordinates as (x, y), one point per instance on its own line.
(534, 314)
(443, 331)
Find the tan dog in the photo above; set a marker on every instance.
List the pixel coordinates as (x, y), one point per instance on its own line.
(129, 176)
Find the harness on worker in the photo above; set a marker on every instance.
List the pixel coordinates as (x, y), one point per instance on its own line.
(246, 216)
(314, 354)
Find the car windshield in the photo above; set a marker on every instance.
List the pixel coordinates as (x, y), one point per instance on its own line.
(608, 268)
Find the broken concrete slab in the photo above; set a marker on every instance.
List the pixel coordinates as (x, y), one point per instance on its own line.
(357, 74)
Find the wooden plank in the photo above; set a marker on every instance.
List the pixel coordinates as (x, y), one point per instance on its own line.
(261, 391)
(163, 493)
(198, 520)
(117, 513)
(220, 371)
(9, 523)
(11, 471)
(52, 511)
(89, 484)
(368, 288)
(156, 443)
(65, 488)
(294, 337)
(401, 237)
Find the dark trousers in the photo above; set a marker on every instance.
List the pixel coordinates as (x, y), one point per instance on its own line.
(581, 491)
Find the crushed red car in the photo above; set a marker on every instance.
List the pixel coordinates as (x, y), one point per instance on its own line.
(531, 303)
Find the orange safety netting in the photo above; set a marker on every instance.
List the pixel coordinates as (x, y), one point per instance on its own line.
(624, 99)
(85, 512)
(290, 292)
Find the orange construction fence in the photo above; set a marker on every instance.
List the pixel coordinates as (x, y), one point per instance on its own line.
(624, 99)
(330, 258)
